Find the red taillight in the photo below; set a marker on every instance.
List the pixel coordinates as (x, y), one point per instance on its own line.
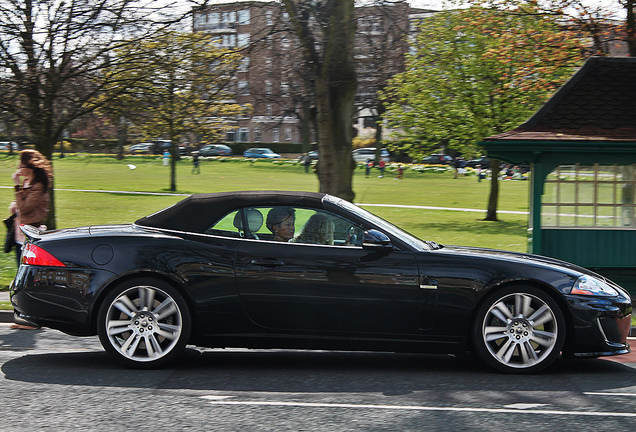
(35, 255)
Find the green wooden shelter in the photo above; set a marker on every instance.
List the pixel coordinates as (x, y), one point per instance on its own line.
(581, 146)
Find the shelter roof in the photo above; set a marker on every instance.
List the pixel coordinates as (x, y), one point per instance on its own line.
(598, 103)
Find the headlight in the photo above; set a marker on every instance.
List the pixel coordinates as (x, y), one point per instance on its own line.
(588, 285)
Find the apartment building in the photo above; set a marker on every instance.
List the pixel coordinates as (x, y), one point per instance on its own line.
(271, 79)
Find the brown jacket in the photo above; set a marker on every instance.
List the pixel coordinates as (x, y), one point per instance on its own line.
(32, 203)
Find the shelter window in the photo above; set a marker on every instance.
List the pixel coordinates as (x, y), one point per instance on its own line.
(590, 196)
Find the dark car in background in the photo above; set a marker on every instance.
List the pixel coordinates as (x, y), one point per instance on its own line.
(159, 146)
(215, 150)
(213, 271)
(483, 161)
(437, 159)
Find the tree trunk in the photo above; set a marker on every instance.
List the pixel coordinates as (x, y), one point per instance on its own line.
(174, 155)
(328, 48)
(493, 198)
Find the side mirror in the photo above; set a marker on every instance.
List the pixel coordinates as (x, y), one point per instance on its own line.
(375, 239)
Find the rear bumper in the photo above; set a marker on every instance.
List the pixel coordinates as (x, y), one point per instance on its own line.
(57, 297)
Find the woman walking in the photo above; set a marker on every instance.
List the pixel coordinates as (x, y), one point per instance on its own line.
(32, 181)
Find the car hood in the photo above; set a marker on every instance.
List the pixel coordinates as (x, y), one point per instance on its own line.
(523, 258)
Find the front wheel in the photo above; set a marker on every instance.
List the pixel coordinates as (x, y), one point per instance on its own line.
(144, 323)
(519, 330)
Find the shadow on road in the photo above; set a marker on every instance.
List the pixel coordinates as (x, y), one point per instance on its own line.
(313, 371)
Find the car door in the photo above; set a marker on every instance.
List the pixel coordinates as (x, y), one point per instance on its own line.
(325, 288)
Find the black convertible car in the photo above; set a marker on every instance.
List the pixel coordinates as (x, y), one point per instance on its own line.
(309, 271)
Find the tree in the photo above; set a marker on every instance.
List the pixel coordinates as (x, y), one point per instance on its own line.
(52, 58)
(600, 21)
(326, 32)
(175, 84)
(477, 72)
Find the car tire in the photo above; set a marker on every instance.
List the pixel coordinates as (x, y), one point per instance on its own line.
(144, 323)
(519, 329)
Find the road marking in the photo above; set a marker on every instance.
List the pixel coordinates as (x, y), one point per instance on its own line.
(610, 394)
(525, 405)
(212, 401)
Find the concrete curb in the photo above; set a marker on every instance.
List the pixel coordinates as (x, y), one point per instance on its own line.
(6, 316)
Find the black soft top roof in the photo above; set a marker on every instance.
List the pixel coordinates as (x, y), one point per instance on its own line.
(197, 212)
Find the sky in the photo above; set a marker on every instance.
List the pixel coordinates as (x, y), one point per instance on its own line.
(438, 4)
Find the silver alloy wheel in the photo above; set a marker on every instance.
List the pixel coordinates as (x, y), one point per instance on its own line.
(143, 324)
(520, 330)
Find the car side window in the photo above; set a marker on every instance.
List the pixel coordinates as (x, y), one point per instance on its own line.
(289, 224)
(243, 223)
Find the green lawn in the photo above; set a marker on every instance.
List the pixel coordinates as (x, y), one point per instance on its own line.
(431, 188)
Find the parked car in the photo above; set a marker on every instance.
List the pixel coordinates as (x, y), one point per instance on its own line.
(260, 152)
(364, 154)
(483, 161)
(207, 271)
(215, 150)
(161, 145)
(4, 145)
(141, 148)
(437, 159)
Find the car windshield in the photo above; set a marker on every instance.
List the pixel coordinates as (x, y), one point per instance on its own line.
(384, 225)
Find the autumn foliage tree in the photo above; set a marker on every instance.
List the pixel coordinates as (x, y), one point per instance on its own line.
(476, 72)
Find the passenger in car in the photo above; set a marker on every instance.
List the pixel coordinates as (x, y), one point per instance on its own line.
(280, 221)
(318, 230)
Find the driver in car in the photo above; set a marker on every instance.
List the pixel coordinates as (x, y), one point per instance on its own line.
(280, 221)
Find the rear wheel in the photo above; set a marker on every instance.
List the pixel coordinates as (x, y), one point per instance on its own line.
(519, 330)
(144, 323)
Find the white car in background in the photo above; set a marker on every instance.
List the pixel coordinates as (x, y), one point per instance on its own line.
(364, 154)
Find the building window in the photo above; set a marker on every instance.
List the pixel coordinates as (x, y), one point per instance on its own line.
(257, 135)
(269, 111)
(288, 134)
(243, 40)
(244, 64)
(590, 196)
(243, 88)
(243, 135)
(269, 17)
(284, 89)
(201, 19)
(284, 43)
(214, 20)
(268, 87)
(228, 19)
(275, 137)
(244, 17)
(229, 41)
(230, 135)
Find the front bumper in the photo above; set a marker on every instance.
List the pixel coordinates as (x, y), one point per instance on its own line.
(600, 325)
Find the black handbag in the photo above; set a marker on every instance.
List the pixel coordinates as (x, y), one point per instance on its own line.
(9, 241)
